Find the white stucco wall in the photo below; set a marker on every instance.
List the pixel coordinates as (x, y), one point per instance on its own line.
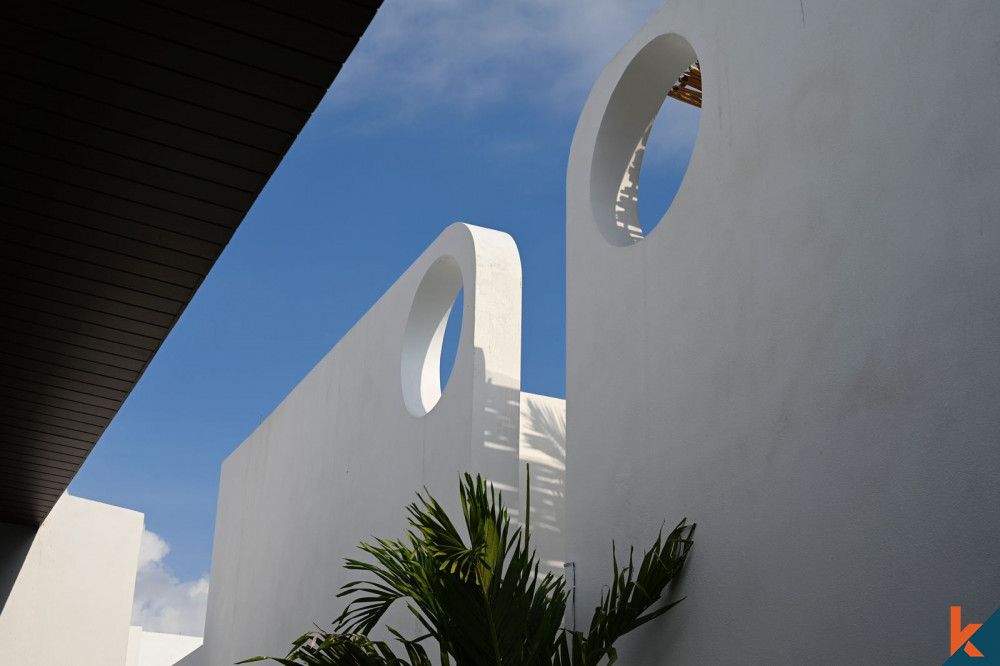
(804, 355)
(149, 648)
(134, 644)
(543, 447)
(72, 597)
(344, 453)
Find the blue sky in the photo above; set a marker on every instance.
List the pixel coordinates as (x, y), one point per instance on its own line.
(446, 111)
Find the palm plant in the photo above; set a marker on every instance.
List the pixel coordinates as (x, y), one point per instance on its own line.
(484, 602)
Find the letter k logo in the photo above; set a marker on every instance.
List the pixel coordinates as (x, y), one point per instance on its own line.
(960, 636)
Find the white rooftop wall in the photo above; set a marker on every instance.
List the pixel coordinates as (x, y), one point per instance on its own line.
(344, 453)
(148, 648)
(71, 596)
(543, 447)
(803, 356)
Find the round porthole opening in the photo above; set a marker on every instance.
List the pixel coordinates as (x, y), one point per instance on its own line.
(424, 376)
(649, 130)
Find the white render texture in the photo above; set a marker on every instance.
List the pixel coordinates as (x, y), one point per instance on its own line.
(71, 595)
(345, 452)
(149, 648)
(543, 448)
(804, 354)
(134, 644)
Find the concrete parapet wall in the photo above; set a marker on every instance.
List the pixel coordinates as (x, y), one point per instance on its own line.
(343, 454)
(70, 586)
(803, 356)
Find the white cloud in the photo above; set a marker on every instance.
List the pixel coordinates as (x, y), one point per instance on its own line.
(162, 602)
(421, 54)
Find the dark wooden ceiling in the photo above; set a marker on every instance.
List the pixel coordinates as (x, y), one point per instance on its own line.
(134, 137)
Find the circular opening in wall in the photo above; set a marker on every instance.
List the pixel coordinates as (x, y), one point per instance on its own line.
(423, 373)
(655, 108)
(452, 332)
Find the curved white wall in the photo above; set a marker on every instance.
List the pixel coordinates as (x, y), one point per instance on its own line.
(344, 453)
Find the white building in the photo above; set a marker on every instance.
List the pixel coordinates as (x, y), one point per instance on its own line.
(803, 357)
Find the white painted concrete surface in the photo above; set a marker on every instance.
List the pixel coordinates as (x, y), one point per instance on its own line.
(149, 648)
(344, 453)
(134, 643)
(804, 355)
(71, 597)
(543, 447)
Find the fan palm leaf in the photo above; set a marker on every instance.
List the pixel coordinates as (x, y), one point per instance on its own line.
(479, 594)
(481, 598)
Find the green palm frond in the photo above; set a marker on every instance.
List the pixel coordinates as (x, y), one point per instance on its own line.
(482, 598)
(320, 648)
(627, 603)
(483, 601)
